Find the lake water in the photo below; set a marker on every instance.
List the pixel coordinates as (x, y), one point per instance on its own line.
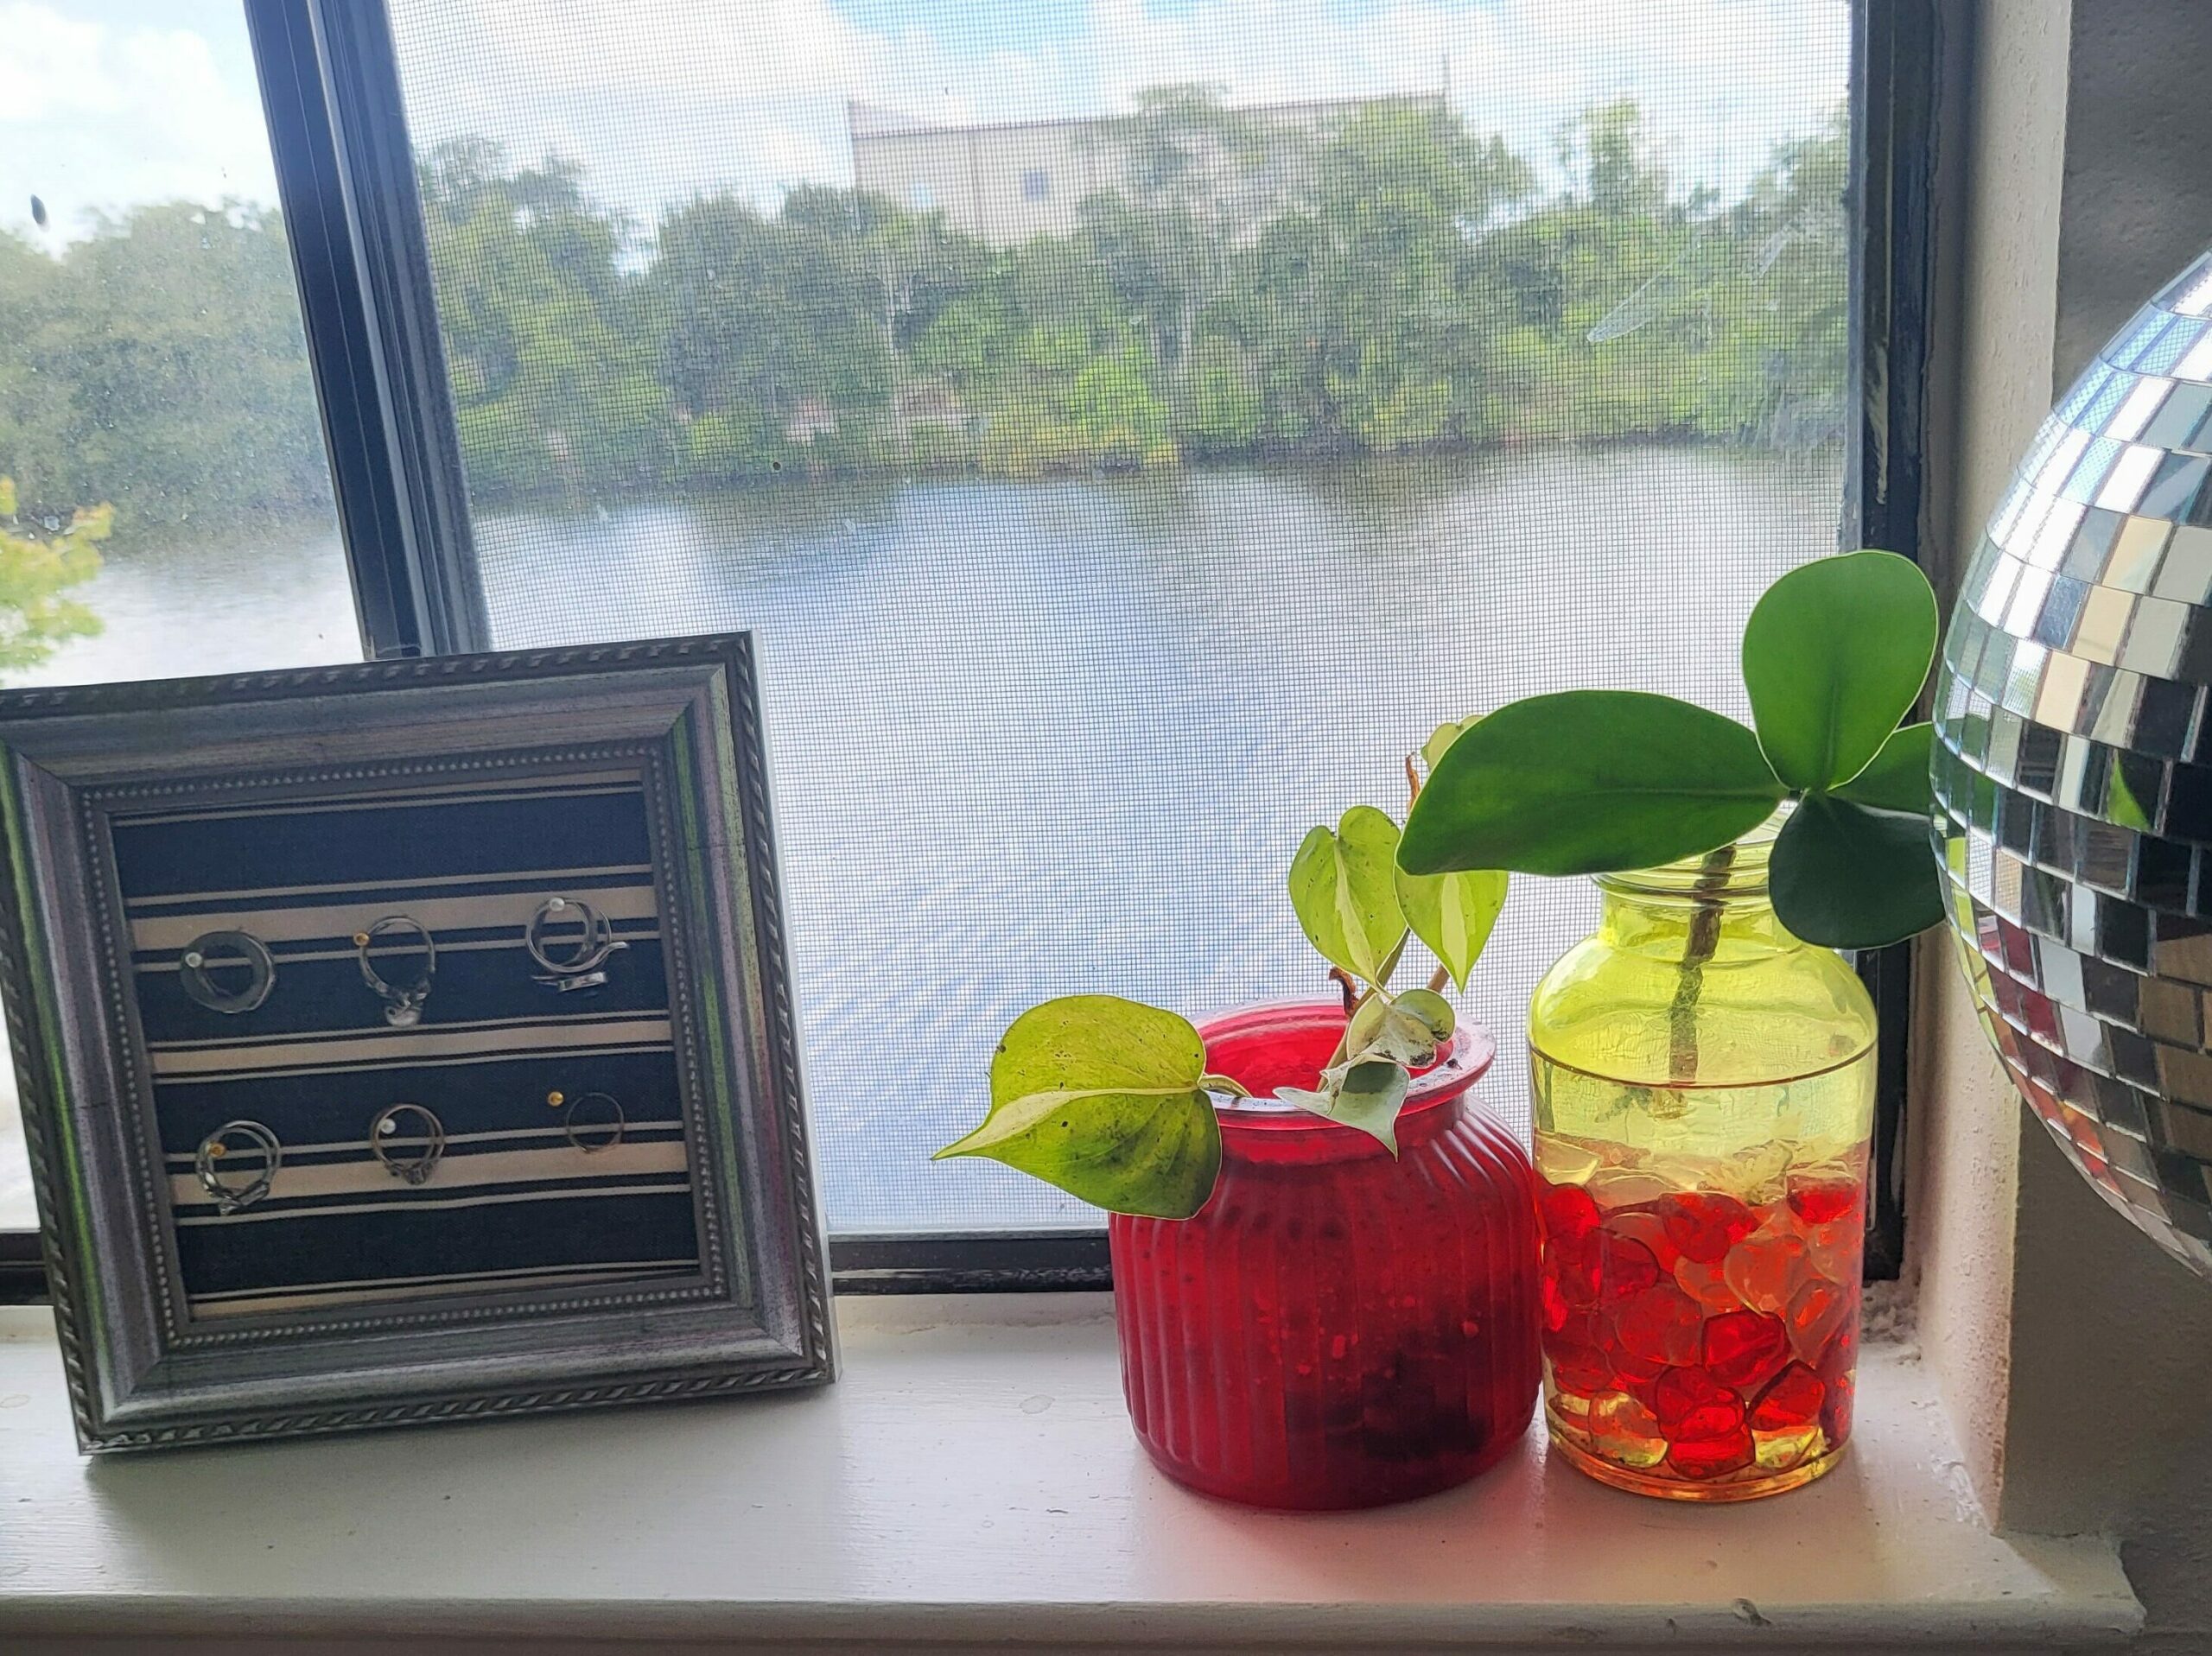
(1029, 739)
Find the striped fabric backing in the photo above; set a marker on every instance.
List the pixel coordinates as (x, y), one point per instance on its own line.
(513, 1205)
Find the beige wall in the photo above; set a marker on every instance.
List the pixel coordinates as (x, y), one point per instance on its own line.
(2075, 1357)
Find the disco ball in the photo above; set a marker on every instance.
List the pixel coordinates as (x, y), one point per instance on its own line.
(2073, 770)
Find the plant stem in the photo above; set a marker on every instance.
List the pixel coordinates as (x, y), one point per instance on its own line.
(1704, 937)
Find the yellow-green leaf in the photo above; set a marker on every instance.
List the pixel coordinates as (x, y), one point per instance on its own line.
(1454, 914)
(1101, 1097)
(1343, 887)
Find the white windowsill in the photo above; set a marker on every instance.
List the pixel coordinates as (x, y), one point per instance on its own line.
(972, 1482)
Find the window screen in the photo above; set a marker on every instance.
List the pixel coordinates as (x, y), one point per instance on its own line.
(168, 510)
(1362, 366)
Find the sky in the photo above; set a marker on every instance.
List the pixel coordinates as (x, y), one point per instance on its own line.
(106, 103)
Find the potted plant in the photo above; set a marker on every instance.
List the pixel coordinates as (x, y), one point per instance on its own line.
(1703, 1066)
(1324, 1250)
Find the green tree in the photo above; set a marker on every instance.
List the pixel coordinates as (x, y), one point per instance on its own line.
(37, 565)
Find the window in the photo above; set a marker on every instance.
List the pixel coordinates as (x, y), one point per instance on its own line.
(1373, 377)
(155, 387)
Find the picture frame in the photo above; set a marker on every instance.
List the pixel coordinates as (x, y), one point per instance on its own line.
(442, 1236)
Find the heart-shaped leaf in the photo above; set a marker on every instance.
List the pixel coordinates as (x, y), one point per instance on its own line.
(1898, 780)
(1586, 782)
(1834, 654)
(1433, 1012)
(1101, 1097)
(1453, 913)
(1441, 738)
(1365, 1094)
(1343, 886)
(1848, 877)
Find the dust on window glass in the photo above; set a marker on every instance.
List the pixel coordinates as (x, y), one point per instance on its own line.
(167, 506)
(1129, 429)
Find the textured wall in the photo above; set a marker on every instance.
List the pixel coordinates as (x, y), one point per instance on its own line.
(2077, 1358)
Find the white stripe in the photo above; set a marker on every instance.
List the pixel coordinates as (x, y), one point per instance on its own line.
(313, 1037)
(631, 934)
(288, 1302)
(447, 1276)
(542, 875)
(584, 785)
(160, 933)
(289, 1072)
(255, 1215)
(368, 1175)
(186, 1157)
(413, 1046)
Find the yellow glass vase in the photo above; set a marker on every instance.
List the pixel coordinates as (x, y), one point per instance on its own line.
(1704, 1086)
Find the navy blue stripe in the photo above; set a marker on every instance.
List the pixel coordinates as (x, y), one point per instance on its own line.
(221, 1259)
(351, 844)
(495, 1097)
(470, 986)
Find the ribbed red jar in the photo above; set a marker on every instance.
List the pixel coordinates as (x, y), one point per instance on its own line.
(1335, 1329)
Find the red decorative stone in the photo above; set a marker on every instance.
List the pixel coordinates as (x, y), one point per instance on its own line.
(1713, 1457)
(1552, 1300)
(1705, 1224)
(1822, 1201)
(1570, 1213)
(1642, 1225)
(1660, 1324)
(1691, 1404)
(1792, 1399)
(1619, 1267)
(1744, 1350)
(1580, 1370)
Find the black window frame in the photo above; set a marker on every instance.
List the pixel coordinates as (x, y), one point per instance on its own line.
(345, 180)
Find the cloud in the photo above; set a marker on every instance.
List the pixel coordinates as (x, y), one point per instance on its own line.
(656, 99)
(94, 117)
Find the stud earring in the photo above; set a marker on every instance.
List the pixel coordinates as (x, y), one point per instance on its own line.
(403, 1003)
(212, 951)
(583, 963)
(384, 1138)
(215, 1148)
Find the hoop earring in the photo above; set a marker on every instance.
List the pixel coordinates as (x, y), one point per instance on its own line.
(195, 971)
(403, 1003)
(230, 1198)
(613, 1129)
(585, 967)
(385, 1123)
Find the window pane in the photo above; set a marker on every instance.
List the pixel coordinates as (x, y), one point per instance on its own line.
(154, 381)
(1130, 428)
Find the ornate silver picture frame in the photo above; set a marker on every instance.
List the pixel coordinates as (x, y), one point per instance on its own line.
(408, 1042)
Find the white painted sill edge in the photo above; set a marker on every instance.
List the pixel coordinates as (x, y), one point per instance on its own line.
(971, 1482)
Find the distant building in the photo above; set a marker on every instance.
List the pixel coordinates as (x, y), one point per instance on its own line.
(1006, 182)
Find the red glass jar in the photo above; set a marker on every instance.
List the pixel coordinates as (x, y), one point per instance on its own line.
(1335, 1329)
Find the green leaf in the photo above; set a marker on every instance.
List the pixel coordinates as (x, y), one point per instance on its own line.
(1431, 1009)
(1441, 738)
(1846, 877)
(1834, 654)
(1101, 1097)
(1343, 886)
(1586, 782)
(1898, 780)
(1365, 1094)
(1453, 913)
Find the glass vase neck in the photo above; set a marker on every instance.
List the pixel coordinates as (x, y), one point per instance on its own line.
(1660, 907)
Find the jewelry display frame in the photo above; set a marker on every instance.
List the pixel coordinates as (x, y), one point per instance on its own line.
(141, 1373)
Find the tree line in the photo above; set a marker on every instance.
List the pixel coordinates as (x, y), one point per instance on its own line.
(1397, 282)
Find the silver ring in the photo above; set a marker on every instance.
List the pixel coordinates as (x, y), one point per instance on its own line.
(584, 967)
(617, 1127)
(195, 971)
(385, 1124)
(229, 1199)
(403, 1003)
